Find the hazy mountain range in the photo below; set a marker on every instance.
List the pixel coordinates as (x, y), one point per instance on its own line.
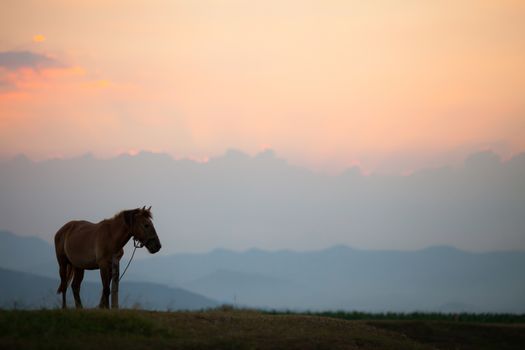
(433, 279)
(238, 202)
(25, 290)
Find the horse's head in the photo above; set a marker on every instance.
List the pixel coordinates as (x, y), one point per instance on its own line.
(142, 229)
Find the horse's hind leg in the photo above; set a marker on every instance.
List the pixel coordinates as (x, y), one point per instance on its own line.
(75, 285)
(65, 272)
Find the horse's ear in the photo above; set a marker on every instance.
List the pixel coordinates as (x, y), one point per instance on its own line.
(128, 217)
(144, 208)
(149, 209)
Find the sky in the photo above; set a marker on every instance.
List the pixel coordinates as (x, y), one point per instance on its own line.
(390, 86)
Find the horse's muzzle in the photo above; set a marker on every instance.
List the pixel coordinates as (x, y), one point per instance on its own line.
(153, 246)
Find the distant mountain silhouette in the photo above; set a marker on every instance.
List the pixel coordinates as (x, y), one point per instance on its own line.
(24, 253)
(240, 201)
(439, 278)
(24, 290)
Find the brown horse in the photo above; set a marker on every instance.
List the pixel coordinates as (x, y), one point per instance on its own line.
(83, 245)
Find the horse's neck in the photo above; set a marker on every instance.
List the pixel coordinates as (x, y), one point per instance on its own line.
(120, 234)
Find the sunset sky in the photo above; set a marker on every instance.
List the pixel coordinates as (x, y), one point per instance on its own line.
(391, 86)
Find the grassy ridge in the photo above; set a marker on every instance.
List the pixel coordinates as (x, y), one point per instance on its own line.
(241, 329)
(414, 316)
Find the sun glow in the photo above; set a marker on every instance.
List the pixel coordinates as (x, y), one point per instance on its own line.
(39, 38)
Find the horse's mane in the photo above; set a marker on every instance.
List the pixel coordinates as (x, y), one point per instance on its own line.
(145, 212)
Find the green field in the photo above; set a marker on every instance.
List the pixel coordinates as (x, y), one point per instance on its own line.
(242, 329)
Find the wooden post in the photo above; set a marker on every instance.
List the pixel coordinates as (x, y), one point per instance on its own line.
(114, 283)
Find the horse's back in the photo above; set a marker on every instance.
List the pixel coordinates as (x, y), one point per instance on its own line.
(76, 242)
(70, 228)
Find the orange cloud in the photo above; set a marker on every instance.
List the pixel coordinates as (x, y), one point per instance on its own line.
(28, 80)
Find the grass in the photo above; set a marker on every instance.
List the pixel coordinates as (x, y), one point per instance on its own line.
(226, 328)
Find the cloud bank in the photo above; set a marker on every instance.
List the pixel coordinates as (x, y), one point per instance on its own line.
(238, 201)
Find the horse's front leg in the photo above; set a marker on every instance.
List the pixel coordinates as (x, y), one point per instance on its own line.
(105, 275)
(115, 269)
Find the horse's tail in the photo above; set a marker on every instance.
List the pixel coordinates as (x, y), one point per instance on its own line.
(66, 269)
(63, 285)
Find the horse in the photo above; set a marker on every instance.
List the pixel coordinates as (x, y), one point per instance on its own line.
(83, 245)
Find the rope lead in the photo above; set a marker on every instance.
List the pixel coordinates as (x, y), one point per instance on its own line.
(136, 244)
